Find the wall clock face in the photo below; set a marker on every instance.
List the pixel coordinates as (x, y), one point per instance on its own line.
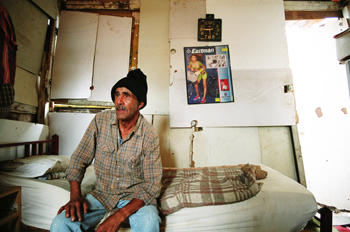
(209, 29)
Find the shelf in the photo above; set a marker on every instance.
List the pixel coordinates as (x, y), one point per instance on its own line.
(6, 216)
(10, 209)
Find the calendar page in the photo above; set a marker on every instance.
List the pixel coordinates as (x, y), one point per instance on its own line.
(208, 75)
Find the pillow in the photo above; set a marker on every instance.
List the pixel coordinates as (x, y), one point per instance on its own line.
(9, 166)
(32, 159)
(36, 166)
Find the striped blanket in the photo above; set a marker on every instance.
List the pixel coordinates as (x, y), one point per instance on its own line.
(194, 187)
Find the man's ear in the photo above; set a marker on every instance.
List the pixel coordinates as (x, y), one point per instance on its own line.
(141, 104)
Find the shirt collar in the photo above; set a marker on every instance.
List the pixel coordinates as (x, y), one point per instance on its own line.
(114, 121)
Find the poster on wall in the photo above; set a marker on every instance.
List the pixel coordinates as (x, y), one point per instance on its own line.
(208, 74)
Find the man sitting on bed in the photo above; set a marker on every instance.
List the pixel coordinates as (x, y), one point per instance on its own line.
(127, 164)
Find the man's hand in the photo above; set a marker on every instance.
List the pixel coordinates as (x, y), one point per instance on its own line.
(111, 224)
(75, 207)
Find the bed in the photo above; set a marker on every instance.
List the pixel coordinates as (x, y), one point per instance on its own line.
(278, 203)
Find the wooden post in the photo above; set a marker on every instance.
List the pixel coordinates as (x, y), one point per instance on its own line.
(41, 148)
(326, 219)
(55, 144)
(135, 47)
(34, 149)
(298, 156)
(45, 70)
(27, 150)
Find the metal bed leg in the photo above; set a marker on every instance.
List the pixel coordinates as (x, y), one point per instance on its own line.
(326, 219)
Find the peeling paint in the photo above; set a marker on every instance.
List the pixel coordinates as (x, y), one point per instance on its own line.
(319, 112)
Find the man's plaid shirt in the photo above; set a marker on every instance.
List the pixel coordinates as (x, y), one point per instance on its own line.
(128, 170)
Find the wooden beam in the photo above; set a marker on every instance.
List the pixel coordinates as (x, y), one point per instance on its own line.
(18, 107)
(135, 4)
(22, 117)
(43, 96)
(22, 112)
(312, 6)
(308, 15)
(135, 47)
(102, 5)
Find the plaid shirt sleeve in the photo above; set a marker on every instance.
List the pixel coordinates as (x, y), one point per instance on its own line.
(152, 171)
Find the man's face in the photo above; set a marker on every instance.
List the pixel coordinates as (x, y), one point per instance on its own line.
(126, 104)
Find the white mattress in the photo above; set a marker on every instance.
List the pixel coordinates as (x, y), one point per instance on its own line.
(41, 199)
(281, 205)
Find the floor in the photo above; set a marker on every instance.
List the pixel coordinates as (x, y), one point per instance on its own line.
(314, 226)
(32, 229)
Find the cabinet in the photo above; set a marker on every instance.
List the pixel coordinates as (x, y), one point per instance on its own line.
(92, 51)
(10, 209)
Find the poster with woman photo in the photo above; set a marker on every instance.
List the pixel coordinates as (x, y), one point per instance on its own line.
(208, 74)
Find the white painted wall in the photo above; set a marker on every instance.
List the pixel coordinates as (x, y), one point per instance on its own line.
(15, 131)
(153, 54)
(259, 66)
(321, 83)
(214, 146)
(154, 59)
(70, 127)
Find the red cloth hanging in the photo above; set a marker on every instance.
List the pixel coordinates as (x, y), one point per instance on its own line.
(8, 48)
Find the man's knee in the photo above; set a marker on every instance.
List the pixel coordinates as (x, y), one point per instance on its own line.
(59, 223)
(151, 217)
(147, 217)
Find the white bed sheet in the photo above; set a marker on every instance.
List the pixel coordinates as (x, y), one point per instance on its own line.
(41, 199)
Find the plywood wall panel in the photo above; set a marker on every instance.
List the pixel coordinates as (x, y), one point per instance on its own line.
(48, 6)
(74, 58)
(30, 27)
(259, 66)
(184, 17)
(70, 127)
(26, 87)
(112, 55)
(14, 131)
(153, 54)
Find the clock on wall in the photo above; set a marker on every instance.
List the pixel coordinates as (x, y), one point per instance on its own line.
(209, 29)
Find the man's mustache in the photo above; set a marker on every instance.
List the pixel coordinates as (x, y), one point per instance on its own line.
(121, 108)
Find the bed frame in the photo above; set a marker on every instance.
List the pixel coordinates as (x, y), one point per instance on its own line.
(31, 148)
(35, 148)
(325, 219)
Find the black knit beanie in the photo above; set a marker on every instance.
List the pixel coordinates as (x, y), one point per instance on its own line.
(136, 82)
